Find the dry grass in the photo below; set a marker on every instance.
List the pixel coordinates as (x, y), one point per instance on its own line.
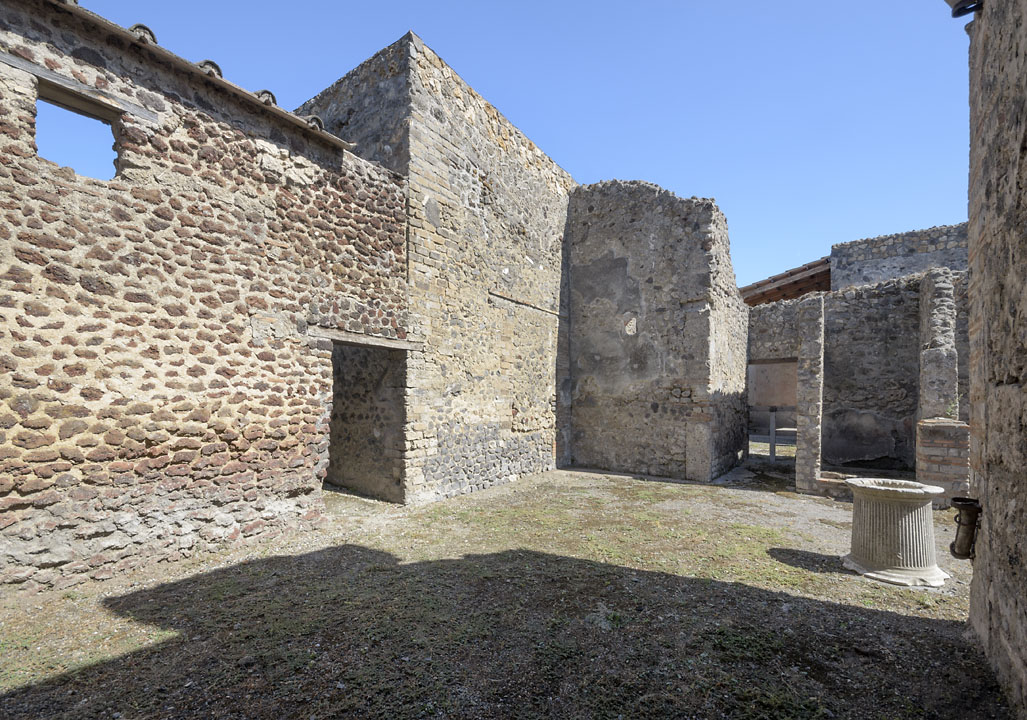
(761, 450)
(577, 595)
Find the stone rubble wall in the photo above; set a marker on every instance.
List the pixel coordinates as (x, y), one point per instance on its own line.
(939, 360)
(728, 353)
(773, 336)
(366, 451)
(998, 328)
(871, 373)
(370, 107)
(961, 285)
(876, 260)
(774, 330)
(159, 392)
(809, 414)
(656, 388)
(487, 212)
(872, 363)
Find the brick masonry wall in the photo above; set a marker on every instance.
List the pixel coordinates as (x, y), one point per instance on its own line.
(942, 457)
(657, 388)
(487, 212)
(158, 390)
(875, 260)
(998, 330)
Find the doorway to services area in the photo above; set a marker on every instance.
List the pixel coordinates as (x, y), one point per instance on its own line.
(366, 438)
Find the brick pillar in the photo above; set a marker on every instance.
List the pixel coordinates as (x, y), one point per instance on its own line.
(942, 457)
(810, 393)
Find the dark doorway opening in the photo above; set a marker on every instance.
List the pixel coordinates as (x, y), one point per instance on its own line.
(366, 437)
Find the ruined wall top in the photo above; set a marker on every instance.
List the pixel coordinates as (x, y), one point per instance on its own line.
(874, 260)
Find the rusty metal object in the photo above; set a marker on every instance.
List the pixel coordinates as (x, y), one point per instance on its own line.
(968, 521)
(143, 34)
(211, 68)
(267, 97)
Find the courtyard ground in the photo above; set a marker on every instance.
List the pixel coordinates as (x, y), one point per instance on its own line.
(568, 595)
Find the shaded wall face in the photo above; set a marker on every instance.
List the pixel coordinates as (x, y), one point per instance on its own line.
(369, 107)
(368, 421)
(729, 327)
(772, 384)
(488, 211)
(871, 368)
(998, 318)
(876, 260)
(773, 343)
(487, 214)
(159, 391)
(962, 286)
(871, 374)
(642, 295)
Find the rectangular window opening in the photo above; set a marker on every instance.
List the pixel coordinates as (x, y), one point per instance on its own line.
(74, 139)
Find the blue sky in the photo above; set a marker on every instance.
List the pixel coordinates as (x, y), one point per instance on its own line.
(811, 122)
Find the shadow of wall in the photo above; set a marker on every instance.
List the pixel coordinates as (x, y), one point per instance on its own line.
(351, 632)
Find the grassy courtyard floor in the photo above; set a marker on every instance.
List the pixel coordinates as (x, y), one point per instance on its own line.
(567, 595)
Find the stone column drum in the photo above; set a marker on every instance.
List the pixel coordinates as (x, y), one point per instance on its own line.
(893, 532)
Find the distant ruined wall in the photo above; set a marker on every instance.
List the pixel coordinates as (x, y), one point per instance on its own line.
(875, 260)
(871, 373)
(657, 333)
(998, 327)
(487, 213)
(871, 368)
(773, 336)
(962, 286)
(159, 391)
(774, 330)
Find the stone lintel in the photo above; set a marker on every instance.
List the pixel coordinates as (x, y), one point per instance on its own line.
(359, 339)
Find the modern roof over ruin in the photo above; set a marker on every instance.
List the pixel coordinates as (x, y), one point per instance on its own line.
(811, 277)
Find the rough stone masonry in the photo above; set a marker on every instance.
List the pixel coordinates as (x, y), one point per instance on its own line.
(160, 388)
(248, 309)
(998, 330)
(658, 334)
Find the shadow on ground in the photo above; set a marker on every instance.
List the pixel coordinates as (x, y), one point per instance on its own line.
(350, 632)
(812, 561)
